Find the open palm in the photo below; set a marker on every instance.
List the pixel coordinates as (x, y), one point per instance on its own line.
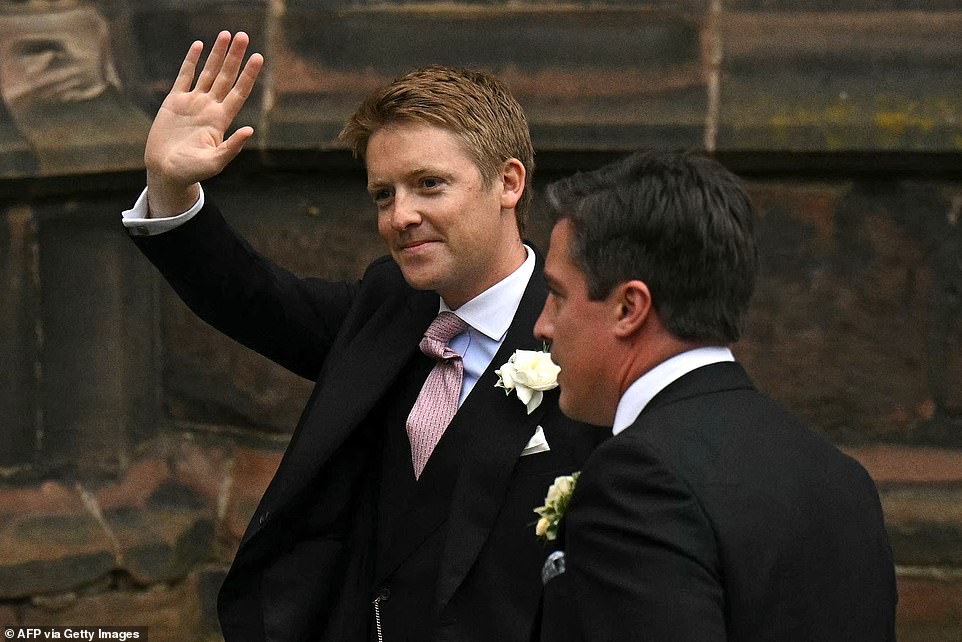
(186, 143)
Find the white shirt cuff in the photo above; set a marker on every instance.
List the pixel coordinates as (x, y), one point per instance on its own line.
(138, 224)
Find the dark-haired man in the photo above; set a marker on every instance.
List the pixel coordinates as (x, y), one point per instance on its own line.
(402, 507)
(712, 514)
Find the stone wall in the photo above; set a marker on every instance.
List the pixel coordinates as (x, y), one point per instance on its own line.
(135, 441)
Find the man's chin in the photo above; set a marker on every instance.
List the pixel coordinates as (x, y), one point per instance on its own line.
(569, 407)
(586, 413)
(417, 277)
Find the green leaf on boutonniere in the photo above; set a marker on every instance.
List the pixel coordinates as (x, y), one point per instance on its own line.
(555, 505)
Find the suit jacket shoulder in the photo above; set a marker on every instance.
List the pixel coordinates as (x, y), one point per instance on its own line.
(718, 515)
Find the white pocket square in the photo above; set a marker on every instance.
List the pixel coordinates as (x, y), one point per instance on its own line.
(537, 443)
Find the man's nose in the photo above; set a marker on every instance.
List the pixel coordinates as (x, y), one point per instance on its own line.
(404, 214)
(542, 329)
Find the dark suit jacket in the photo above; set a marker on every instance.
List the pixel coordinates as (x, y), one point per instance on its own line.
(718, 516)
(309, 565)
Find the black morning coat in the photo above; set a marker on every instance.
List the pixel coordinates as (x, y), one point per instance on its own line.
(452, 556)
(716, 516)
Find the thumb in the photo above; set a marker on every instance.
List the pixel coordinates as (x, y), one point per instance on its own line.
(235, 143)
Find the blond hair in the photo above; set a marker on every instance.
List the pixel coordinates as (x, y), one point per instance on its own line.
(473, 105)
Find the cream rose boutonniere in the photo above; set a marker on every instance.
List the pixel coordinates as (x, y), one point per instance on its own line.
(555, 505)
(529, 373)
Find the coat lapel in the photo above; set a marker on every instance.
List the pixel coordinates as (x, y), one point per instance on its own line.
(490, 430)
(355, 379)
(496, 430)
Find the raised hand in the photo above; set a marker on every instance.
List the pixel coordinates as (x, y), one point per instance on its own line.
(186, 142)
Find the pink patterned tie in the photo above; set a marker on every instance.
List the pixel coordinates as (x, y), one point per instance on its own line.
(438, 400)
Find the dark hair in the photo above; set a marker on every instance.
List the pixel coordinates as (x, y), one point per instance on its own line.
(679, 222)
(473, 105)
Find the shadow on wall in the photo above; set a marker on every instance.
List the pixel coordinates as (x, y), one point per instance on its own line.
(903, 247)
(63, 108)
(862, 284)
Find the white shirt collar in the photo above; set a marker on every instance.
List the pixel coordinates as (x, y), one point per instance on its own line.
(644, 389)
(492, 311)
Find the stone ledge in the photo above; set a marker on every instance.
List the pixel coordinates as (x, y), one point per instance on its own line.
(843, 81)
(171, 614)
(589, 77)
(155, 524)
(929, 610)
(8, 616)
(49, 542)
(163, 514)
(923, 504)
(889, 464)
(925, 525)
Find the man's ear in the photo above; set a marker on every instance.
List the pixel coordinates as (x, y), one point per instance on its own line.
(512, 182)
(632, 308)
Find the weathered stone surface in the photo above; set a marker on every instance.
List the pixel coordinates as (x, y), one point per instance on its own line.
(98, 360)
(158, 35)
(889, 465)
(61, 87)
(162, 544)
(8, 616)
(48, 498)
(157, 524)
(36, 576)
(856, 321)
(81, 80)
(252, 472)
(19, 320)
(595, 78)
(924, 525)
(184, 501)
(173, 469)
(163, 512)
(49, 541)
(209, 580)
(202, 466)
(841, 6)
(841, 81)
(812, 75)
(929, 610)
(689, 6)
(16, 157)
(170, 614)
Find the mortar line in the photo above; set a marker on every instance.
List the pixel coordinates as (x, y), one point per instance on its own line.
(929, 573)
(93, 507)
(714, 56)
(273, 39)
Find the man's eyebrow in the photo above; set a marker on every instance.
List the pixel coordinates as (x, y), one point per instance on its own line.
(552, 282)
(414, 173)
(422, 171)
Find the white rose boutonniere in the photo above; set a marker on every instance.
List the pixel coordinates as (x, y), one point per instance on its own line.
(555, 504)
(529, 373)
